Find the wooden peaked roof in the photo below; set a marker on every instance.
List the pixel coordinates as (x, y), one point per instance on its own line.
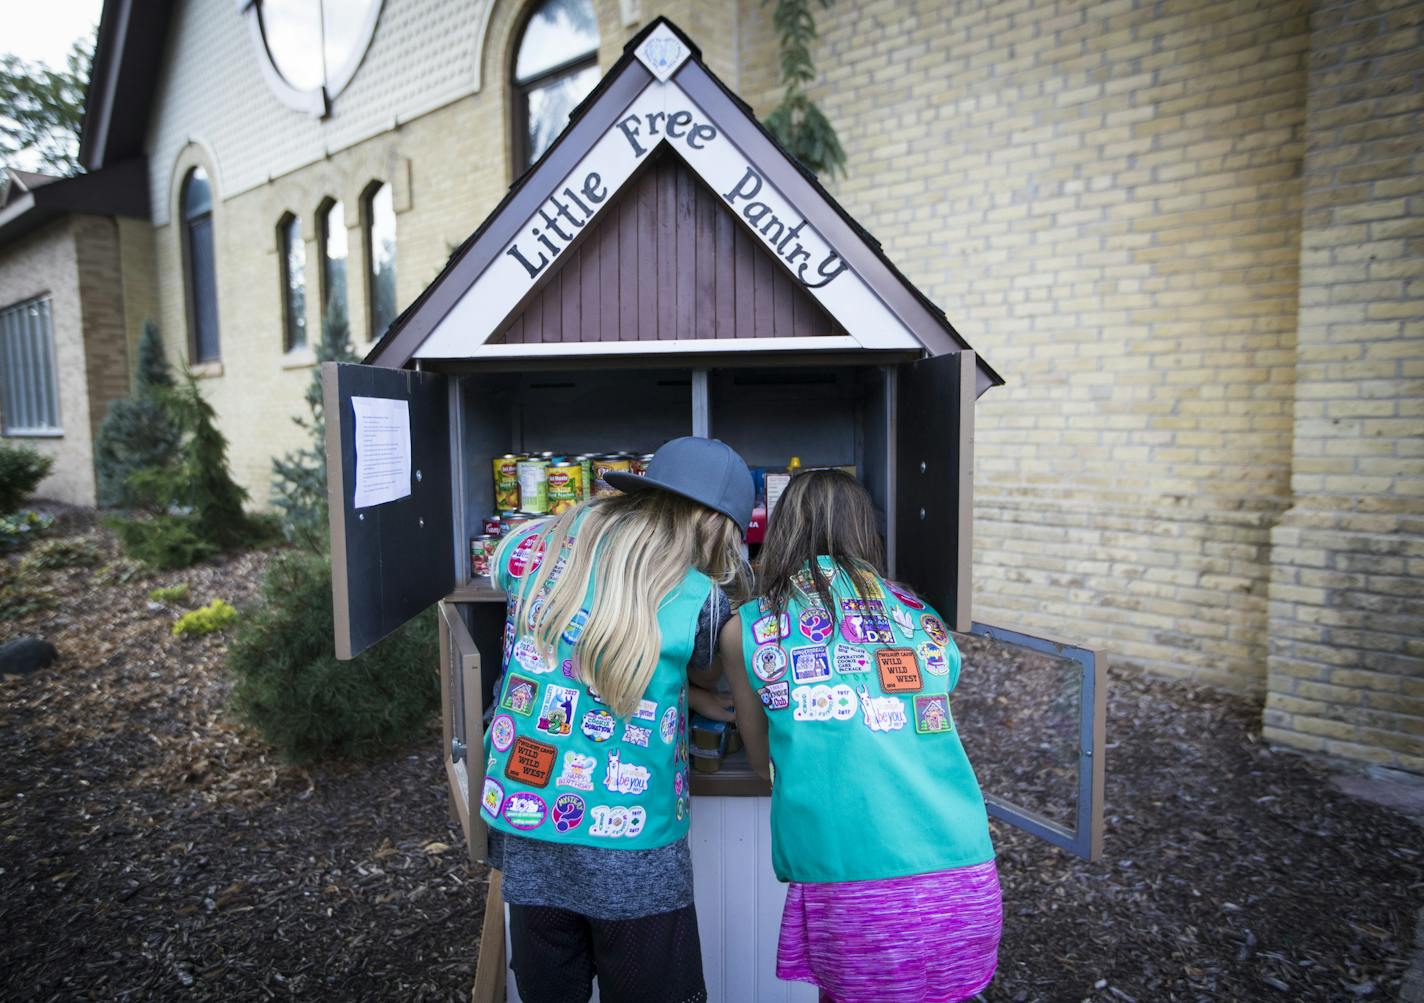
(660, 101)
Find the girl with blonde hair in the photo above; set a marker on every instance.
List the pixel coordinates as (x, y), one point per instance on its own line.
(614, 609)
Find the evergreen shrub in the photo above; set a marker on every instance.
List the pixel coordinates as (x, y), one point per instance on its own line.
(169, 594)
(65, 552)
(205, 619)
(21, 470)
(139, 433)
(164, 542)
(22, 527)
(290, 686)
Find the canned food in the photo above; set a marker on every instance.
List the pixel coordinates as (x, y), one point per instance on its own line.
(602, 465)
(506, 481)
(513, 520)
(586, 484)
(493, 526)
(534, 486)
(565, 487)
(640, 464)
(481, 552)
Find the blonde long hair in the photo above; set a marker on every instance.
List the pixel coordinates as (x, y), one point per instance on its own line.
(645, 542)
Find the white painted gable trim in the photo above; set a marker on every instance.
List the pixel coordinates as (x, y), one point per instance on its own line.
(582, 195)
(684, 346)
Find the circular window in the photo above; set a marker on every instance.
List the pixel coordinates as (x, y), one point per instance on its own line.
(311, 49)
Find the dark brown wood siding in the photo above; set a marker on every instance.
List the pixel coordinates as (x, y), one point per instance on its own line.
(667, 260)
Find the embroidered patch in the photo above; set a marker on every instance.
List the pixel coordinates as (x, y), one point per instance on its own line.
(932, 716)
(899, 670)
(526, 653)
(667, 730)
(508, 643)
(904, 622)
(574, 630)
(577, 772)
(932, 655)
(934, 627)
(634, 735)
(904, 595)
(647, 711)
(519, 695)
(811, 664)
(815, 624)
(598, 725)
(568, 812)
(531, 762)
(502, 732)
(881, 713)
(851, 661)
(568, 669)
(531, 617)
(775, 696)
(824, 703)
(617, 821)
(771, 628)
(527, 555)
(866, 627)
(624, 778)
(492, 797)
(524, 810)
(769, 663)
(557, 717)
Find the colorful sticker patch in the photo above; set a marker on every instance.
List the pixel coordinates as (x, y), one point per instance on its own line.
(524, 810)
(502, 732)
(531, 762)
(634, 735)
(932, 716)
(866, 628)
(519, 695)
(775, 696)
(526, 653)
(624, 778)
(905, 595)
(667, 729)
(824, 703)
(933, 657)
(899, 670)
(617, 821)
(598, 725)
(535, 608)
(903, 621)
(771, 628)
(647, 711)
(881, 713)
(811, 664)
(934, 627)
(574, 630)
(769, 662)
(557, 717)
(568, 669)
(577, 772)
(568, 812)
(492, 797)
(851, 660)
(815, 624)
(527, 555)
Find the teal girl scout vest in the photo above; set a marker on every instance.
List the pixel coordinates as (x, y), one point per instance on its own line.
(869, 777)
(559, 766)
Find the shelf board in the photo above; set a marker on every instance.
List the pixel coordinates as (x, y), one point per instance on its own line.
(476, 592)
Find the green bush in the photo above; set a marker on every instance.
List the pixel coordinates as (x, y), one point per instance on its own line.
(310, 706)
(18, 594)
(205, 619)
(21, 470)
(165, 542)
(139, 433)
(65, 552)
(171, 594)
(22, 527)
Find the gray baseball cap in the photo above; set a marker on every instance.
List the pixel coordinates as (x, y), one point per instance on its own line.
(706, 470)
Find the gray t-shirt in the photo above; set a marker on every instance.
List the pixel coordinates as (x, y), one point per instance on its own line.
(608, 884)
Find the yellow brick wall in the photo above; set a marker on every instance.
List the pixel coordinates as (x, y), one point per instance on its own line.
(1105, 199)
(1346, 599)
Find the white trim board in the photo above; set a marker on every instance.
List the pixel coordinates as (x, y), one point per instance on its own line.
(685, 346)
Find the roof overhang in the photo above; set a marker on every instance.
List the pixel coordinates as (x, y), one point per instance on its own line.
(121, 190)
(128, 58)
(660, 96)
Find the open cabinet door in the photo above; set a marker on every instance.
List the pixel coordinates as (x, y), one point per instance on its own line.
(462, 713)
(934, 472)
(390, 559)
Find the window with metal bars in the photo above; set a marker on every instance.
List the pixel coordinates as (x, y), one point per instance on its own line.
(29, 385)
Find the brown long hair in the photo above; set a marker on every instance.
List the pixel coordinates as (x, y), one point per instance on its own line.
(822, 512)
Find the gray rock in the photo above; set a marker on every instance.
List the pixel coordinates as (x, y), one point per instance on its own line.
(24, 655)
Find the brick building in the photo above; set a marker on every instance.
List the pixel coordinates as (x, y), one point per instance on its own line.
(1189, 235)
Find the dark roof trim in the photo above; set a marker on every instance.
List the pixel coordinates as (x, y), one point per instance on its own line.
(123, 81)
(121, 190)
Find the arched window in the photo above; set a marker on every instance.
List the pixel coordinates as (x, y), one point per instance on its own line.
(331, 220)
(555, 67)
(380, 220)
(202, 286)
(292, 251)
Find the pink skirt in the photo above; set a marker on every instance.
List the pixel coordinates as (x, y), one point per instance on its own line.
(928, 938)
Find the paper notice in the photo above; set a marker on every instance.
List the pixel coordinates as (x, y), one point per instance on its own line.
(382, 450)
(775, 485)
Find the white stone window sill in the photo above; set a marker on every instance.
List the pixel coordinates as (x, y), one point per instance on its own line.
(206, 370)
(34, 433)
(299, 358)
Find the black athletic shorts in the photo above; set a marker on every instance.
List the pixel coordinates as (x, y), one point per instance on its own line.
(556, 954)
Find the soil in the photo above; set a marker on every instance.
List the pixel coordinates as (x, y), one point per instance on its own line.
(154, 849)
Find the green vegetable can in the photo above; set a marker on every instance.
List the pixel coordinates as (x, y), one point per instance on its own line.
(534, 486)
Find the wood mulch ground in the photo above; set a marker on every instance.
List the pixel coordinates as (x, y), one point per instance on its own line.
(153, 850)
